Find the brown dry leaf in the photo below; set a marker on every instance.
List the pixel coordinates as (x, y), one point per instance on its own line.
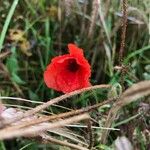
(15, 34)
(53, 11)
(18, 36)
(25, 47)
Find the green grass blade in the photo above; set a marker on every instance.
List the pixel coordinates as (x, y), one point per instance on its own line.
(8, 19)
(137, 52)
(2, 145)
(24, 147)
(126, 120)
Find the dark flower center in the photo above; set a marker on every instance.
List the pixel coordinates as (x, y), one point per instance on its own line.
(72, 65)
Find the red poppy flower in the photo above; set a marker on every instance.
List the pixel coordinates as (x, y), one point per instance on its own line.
(68, 72)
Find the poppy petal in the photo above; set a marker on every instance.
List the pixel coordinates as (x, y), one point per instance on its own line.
(74, 50)
(68, 72)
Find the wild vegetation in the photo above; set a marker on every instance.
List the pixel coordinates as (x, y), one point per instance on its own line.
(112, 112)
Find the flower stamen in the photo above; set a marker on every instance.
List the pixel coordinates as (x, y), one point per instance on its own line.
(72, 65)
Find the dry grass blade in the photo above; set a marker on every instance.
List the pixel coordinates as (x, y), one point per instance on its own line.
(4, 54)
(30, 101)
(136, 91)
(54, 117)
(37, 130)
(69, 134)
(94, 15)
(102, 21)
(130, 95)
(63, 143)
(107, 7)
(50, 102)
(89, 129)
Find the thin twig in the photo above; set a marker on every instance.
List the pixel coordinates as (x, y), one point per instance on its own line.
(50, 102)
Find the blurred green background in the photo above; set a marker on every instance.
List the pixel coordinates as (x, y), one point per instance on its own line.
(41, 29)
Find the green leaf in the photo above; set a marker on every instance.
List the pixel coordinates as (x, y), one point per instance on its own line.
(17, 79)
(12, 64)
(32, 95)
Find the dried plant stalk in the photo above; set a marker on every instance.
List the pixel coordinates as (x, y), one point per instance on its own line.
(89, 127)
(130, 95)
(122, 45)
(49, 103)
(37, 130)
(95, 7)
(68, 6)
(107, 7)
(123, 35)
(83, 20)
(55, 117)
(102, 22)
(47, 138)
(4, 54)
